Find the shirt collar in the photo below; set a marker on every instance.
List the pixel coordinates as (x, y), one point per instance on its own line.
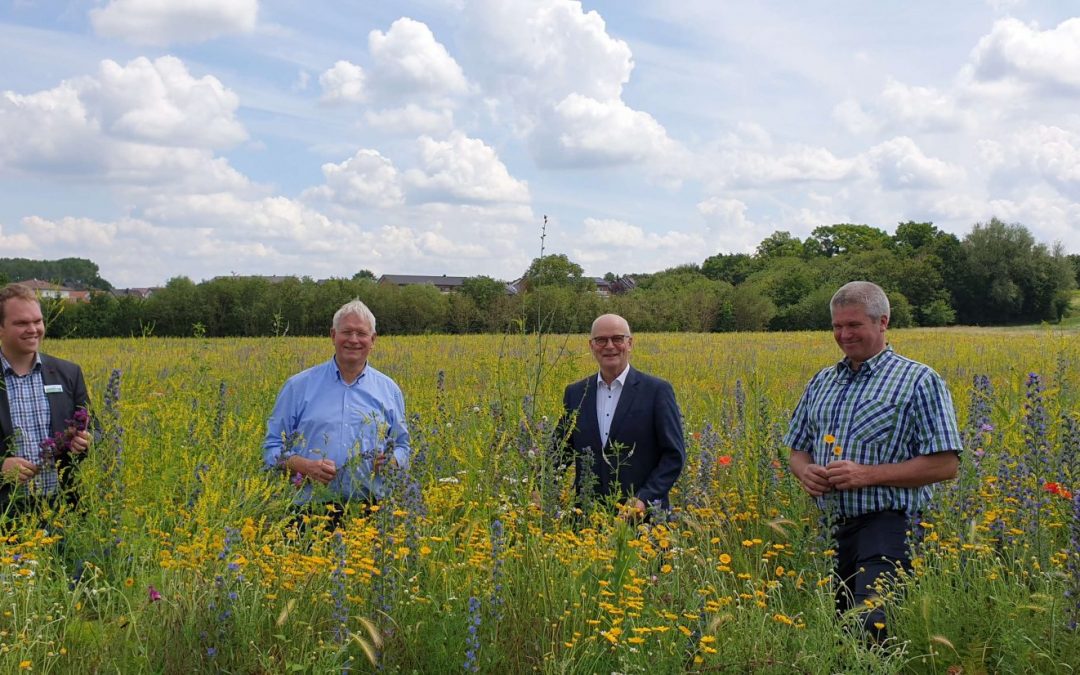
(843, 366)
(621, 379)
(5, 365)
(337, 371)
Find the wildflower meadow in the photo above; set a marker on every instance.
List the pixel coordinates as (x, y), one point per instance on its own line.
(181, 558)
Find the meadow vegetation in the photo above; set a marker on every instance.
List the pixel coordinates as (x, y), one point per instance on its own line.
(180, 559)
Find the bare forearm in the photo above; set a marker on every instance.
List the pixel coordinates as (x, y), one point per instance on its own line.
(911, 473)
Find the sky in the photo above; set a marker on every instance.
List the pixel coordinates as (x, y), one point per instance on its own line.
(199, 138)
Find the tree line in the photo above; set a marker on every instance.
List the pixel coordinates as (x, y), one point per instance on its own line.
(997, 274)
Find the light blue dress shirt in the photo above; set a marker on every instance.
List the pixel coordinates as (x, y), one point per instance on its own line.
(317, 415)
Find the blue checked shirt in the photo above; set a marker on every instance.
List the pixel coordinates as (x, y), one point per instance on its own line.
(317, 415)
(30, 420)
(890, 410)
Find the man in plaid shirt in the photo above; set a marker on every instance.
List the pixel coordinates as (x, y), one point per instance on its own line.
(39, 396)
(869, 437)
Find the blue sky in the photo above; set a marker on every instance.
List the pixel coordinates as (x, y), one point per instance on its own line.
(207, 137)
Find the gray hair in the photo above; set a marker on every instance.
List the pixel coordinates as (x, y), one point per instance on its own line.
(863, 294)
(354, 308)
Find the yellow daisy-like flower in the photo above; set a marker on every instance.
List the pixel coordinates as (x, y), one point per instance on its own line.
(837, 450)
(725, 559)
(829, 438)
(129, 582)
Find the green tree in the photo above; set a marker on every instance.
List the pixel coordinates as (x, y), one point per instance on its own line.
(1008, 278)
(364, 274)
(733, 268)
(780, 245)
(831, 240)
(555, 270)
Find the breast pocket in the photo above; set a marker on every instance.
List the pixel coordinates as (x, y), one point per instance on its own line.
(872, 422)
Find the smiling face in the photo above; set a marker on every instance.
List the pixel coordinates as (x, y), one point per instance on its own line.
(22, 329)
(353, 339)
(859, 336)
(613, 358)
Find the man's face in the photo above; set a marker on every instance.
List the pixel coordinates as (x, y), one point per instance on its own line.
(353, 339)
(858, 336)
(22, 329)
(612, 357)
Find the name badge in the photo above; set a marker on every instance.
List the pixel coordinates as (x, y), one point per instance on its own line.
(54, 389)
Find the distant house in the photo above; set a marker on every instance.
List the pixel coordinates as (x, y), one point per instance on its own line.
(45, 289)
(444, 283)
(141, 293)
(602, 286)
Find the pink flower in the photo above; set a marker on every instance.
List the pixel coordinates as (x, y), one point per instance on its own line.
(153, 592)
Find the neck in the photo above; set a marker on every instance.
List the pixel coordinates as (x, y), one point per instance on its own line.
(350, 375)
(21, 363)
(609, 377)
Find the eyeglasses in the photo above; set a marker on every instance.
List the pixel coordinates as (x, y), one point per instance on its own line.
(354, 334)
(616, 340)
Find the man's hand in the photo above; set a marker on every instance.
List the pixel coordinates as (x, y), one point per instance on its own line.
(633, 510)
(846, 475)
(322, 470)
(381, 459)
(18, 469)
(80, 441)
(815, 479)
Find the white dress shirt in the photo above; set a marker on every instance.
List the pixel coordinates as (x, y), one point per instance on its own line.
(607, 399)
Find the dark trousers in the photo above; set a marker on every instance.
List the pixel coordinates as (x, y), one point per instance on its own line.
(869, 547)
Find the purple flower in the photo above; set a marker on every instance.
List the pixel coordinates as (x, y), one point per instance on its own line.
(153, 592)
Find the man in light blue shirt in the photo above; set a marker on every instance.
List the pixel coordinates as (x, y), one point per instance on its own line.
(339, 423)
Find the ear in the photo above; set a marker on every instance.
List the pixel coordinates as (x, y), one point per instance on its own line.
(884, 322)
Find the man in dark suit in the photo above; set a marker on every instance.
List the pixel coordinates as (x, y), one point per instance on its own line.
(623, 426)
(41, 434)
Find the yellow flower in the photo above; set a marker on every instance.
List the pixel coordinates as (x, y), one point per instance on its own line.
(837, 450)
(666, 569)
(829, 438)
(725, 559)
(26, 665)
(129, 582)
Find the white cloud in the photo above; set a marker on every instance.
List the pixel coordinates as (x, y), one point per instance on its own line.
(901, 165)
(1047, 151)
(408, 60)
(143, 123)
(547, 50)
(606, 232)
(16, 243)
(851, 115)
(343, 83)
(587, 132)
(1020, 52)
(365, 179)
(923, 108)
(407, 64)
(162, 22)
(411, 119)
(462, 168)
(736, 168)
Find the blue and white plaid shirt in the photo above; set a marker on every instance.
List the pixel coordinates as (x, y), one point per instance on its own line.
(30, 422)
(890, 410)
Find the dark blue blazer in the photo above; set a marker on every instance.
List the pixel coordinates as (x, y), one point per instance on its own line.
(646, 450)
(62, 406)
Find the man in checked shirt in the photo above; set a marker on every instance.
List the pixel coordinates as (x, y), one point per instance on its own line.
(868, 439)
(39, 395)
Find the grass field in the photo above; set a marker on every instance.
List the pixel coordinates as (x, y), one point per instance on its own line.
(475, 563)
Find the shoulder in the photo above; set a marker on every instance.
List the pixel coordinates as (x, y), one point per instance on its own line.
(912, 369)
(61, 365)
(314, 373)
(381, 379)
(647, 380)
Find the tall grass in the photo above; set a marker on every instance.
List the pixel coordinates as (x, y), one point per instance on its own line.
(478, 562)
